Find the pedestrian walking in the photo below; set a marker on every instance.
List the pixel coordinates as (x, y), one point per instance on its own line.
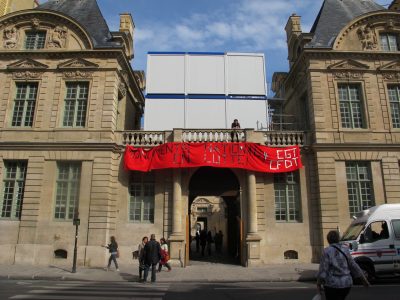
(197, 240)
(141, 256)
(336, 270)
(218, 238)
(114, 253)
(209, 242)
(203, 241)
(152, 256)
(164, 256)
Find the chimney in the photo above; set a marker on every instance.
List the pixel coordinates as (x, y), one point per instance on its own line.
(126, 24)
(293, 26)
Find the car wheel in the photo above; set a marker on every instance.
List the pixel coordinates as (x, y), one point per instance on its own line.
(368, 271)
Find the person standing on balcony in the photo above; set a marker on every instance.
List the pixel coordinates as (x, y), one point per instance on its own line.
(234, 133)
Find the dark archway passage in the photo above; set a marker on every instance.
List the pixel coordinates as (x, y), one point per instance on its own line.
(206, 186)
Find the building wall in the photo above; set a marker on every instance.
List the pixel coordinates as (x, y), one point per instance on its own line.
(8, 6)
(317, 74)
(114, 104)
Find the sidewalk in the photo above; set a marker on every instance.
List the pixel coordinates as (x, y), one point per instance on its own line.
(198, 272)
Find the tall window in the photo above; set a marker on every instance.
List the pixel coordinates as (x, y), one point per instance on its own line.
(359, 186)
(287, 197)
(68, 186)
(76, 104)
(141, 202)
(35, 39)
(350, 106)
(13, 188)
(394, 99)
(389, 42)
(24, 104)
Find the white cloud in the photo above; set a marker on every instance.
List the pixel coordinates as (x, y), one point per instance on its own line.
(244, 25)
(254, 25)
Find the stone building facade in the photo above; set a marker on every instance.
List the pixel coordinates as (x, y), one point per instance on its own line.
(70, 103)
(67, 89)
(8, 6)
(344, 81)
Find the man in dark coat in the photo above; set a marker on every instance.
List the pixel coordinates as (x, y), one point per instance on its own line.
(151, 256)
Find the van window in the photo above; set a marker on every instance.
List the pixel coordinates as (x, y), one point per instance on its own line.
(376, 231)
(353, 231)
(396, 228)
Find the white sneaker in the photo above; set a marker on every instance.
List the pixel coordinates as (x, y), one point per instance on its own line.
(106, 269)
(117, 270)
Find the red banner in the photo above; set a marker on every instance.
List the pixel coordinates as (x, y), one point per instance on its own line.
(248, 156)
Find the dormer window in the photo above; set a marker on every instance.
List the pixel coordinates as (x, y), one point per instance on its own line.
(35, 39)
(389, 42)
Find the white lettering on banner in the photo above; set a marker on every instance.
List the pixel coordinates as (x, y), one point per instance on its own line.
(286, 154)
(288, 163)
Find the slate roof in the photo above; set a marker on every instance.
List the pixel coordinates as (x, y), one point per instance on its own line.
(87, 13)
(333, 17)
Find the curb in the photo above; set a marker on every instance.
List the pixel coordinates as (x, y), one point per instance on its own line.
(68, 278)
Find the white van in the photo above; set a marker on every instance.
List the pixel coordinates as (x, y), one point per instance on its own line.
(374, 240)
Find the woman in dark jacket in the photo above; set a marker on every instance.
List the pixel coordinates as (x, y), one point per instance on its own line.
(113, 249)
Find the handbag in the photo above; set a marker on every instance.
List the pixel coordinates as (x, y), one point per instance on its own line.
(117, 255)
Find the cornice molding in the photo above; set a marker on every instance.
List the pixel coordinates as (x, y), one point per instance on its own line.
(27, 64)
(60, 146)
(77, 63)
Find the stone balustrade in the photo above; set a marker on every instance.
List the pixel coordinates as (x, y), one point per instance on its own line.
(212, 135)
(284, 138)
(154, 138)
(143, 138)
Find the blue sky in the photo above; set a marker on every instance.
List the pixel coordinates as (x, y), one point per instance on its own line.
(213, 26)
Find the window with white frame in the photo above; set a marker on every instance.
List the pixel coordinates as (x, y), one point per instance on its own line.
(76, 104)
(389, 42)
(67, 190)
(351, 110)
(35, 40)
(359, 186)
(287, 197)
(14, 175)
(141, 197)
(394, 99)
(24, 104)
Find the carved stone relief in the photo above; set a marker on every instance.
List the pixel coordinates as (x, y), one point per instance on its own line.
(367, 38)
(35, 23)
(27, 75)
(391, 76)
(141, 79)
(121, 90)
(10, 37)
(58, 37)
(348, 75)
(78, 74)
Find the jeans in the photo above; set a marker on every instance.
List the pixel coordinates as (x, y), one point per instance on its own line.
(153, 272)
(113, 257)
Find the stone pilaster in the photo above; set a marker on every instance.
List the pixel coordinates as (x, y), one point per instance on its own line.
(252, 237)
(176, 239)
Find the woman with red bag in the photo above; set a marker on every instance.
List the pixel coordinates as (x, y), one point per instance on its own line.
(164, 256)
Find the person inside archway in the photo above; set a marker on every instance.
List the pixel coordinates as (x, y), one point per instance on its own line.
(203, 241)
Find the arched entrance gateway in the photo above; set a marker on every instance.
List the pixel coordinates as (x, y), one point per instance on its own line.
(214, 209)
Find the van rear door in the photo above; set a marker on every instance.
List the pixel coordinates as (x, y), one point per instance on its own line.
(396, 240)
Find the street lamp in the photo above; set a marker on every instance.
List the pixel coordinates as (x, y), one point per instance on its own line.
(76, 222)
